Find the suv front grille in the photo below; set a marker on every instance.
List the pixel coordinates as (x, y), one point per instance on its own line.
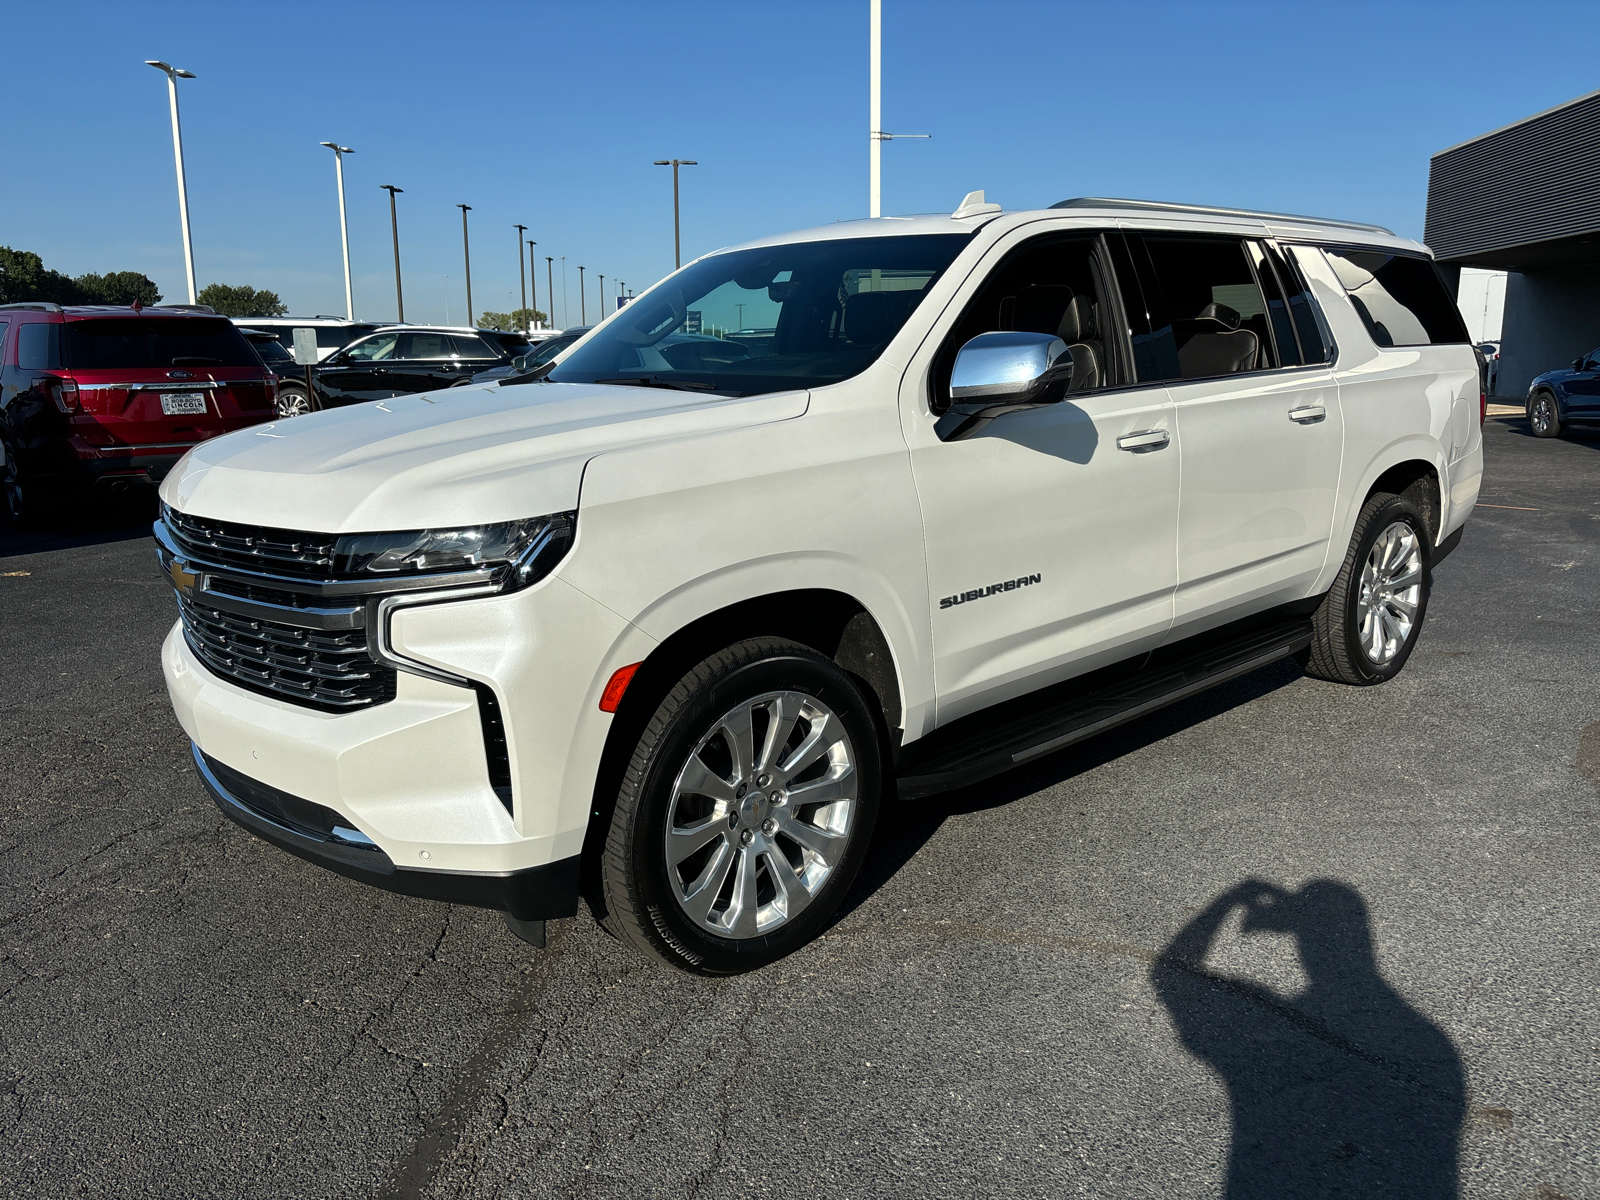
(331, 670)
(254, 547)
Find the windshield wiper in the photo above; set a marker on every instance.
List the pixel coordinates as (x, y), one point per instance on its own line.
(656, 381)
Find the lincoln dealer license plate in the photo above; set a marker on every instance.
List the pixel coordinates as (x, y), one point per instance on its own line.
(178, 404)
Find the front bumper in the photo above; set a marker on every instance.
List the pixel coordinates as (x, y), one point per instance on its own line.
(315, 834)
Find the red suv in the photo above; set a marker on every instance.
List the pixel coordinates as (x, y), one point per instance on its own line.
(110, 398)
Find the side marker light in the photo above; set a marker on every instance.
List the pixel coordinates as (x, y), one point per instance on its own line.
(620, 679)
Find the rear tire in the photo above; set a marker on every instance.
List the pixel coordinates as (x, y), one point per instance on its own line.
(17, 499)
(1544, 415)
(745, 812)
(293, 402)
(1366, 626)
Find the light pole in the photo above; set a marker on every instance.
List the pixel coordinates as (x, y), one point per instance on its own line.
(550, 281)
(602, 294)
(394, 228)
(583, 304)
(675, 163)
(875, 135)
(521, 274)
(174, 74)
(466, 254)
(533, 276)
(566, 313)
(344, 228)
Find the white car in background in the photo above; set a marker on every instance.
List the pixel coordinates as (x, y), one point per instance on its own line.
(673, 626)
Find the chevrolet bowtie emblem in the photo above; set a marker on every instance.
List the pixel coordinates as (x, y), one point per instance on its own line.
(182, 578)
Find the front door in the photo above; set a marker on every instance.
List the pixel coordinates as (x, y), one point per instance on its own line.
(1259, 420)
(358, 373)
(1051, 533)
(1583, 389)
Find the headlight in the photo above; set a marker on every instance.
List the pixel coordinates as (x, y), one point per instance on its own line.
(527, 550)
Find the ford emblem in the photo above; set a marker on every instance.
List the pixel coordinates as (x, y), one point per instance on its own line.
(180, 374)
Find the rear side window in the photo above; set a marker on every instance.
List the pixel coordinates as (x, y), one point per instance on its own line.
(468, 346)
(149, 343)
(1316, 344)
(1401, 299)
(5, 326)
(1208, 316)
(39, 346)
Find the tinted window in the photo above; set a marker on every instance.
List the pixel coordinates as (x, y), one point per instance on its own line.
(335, 336)
(272, 353)
(1316, 345)
(1282, 326)
(1047, 285)
(39, 346)
(1208, 316)
(4, 326)
(150, 343)
(467, 346)
(1401, 299)
(768, 319)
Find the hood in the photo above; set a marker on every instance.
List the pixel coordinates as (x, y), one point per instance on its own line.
(463, 456)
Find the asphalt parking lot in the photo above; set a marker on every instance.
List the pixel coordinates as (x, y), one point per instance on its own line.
(1042, 986)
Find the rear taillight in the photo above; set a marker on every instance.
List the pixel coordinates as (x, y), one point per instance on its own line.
(1483, 407)
(270, 385)
(65, 393)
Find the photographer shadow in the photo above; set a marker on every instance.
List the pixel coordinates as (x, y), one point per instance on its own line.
(1343, 1090)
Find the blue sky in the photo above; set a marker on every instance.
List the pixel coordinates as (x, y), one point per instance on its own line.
(551, 115)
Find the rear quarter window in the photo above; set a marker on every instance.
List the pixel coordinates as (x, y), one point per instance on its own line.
(1401, 299)
(39, 346)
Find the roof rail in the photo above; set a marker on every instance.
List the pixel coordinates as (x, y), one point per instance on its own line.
(202, 308)
(40, 306)
(1213, 210)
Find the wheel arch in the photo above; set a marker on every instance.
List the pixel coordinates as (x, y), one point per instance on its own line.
(834, 623)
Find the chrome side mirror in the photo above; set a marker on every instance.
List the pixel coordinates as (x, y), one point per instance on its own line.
(519, 364)
(997, 373)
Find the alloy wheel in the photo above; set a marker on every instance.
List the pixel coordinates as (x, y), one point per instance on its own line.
(293, 404)
(761, 814)
(1542, 414)
(1391, 593)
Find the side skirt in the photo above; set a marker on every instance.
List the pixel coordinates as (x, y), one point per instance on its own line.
(1029, 727)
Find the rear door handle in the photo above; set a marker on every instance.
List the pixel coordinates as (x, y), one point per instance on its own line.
(1151, 439)
(1309, 415)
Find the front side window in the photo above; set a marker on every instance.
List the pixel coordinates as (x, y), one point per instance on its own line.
(1208, 316)
(151, 343)
(1052, 284)
(1401, 299)
(769, 319)
(374, 349)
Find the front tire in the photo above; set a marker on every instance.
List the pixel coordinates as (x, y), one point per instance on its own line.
(745, 812)
(1544, 415)
(1367, 625)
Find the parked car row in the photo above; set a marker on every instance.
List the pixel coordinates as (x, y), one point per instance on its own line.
(100, 398)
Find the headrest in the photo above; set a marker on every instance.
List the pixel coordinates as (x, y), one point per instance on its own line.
(870, 317)
(1078, 323)
(1038, 307)
(1216, 318)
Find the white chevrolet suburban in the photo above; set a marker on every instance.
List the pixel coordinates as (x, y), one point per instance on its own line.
(818, 523)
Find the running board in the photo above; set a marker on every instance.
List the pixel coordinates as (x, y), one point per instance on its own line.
(1019, 731)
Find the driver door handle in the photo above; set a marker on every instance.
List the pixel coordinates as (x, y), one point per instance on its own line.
(1151, 439)
(1310, 414)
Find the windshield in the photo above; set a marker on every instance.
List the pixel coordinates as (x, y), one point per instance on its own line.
(769, 319)
(133, 343)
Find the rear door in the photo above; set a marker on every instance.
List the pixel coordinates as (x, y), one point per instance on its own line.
(1258, 417)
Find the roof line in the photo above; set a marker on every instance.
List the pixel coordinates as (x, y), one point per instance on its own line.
(1217, 210)
(1523, 121)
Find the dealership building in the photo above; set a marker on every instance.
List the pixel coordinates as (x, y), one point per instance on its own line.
(1526, 199)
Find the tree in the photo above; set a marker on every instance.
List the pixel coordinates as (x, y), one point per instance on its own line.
(118, 287)
(24, 277)
(242, 301)
(511, 322)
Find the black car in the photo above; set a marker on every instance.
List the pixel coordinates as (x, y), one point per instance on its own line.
(292, 398)
(532, 356)
(406, 359)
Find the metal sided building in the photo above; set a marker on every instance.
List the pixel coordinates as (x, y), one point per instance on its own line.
(1526, 199)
